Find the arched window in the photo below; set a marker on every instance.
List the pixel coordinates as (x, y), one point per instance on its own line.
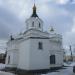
(32, 24)
(8, 59)
(39, 25)
(52, 59)
(40, 45)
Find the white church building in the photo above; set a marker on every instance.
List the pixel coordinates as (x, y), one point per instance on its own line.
(35, 49)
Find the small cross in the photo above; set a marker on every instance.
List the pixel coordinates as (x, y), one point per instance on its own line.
(34, 2)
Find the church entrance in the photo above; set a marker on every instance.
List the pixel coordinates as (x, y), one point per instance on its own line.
(52, 59)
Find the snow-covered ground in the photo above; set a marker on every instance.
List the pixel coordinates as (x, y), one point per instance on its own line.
(67, 71)
(2, 66)
(2, 72)
(69, 64)
(72, 64)
(5, 73)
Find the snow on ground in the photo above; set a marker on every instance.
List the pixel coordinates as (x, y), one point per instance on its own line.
(2, 66)
(67, 71)
(72, 64)
(69, 64)
(5, 73)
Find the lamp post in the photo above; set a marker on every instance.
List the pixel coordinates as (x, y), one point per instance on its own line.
(71, 53)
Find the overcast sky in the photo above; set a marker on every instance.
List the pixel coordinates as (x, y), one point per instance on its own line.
(57, 13)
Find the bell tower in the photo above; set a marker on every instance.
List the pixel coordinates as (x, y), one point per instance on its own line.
(34, 22)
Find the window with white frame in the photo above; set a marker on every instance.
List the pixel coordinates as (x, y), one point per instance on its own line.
(40, 45)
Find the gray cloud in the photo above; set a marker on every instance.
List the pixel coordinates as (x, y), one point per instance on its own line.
(53, 12)
(9, 23)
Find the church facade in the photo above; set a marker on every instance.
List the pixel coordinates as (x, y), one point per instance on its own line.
(35, 49)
